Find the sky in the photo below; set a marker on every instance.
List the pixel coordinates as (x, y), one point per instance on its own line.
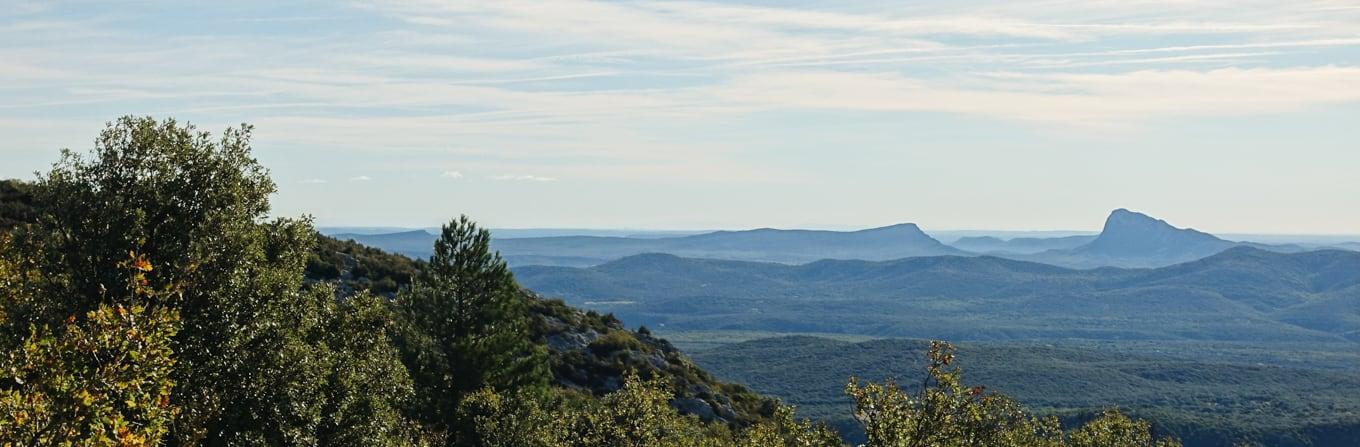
(1224, 115)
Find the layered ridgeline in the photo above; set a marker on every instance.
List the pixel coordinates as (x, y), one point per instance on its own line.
(1242, 294)
(765, 244)
(1216, 401)
(1020, 245)
(1128, 239)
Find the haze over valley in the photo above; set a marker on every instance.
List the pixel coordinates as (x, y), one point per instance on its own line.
(1127, 239)
(1151, 317)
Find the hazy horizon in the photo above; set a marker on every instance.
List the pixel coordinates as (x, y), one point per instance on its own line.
(1042, 115)
(1003, 233)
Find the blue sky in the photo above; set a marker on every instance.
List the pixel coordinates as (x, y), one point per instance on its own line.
(1228, 116)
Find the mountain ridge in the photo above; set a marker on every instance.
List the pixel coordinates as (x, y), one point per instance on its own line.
(761, 244)
(1238, 294)
(1128, 239)
(1133, 239)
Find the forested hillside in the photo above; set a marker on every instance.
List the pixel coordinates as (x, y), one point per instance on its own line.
(16, 204)
(153, 301)
(1241, 294)
(1203, 402)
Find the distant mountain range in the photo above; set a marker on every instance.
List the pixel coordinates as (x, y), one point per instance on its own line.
(511, 233)
(1132, 239)
(1128, 239)
(765, 244)
(417, 244)
(1019, 245)
(1242, 293)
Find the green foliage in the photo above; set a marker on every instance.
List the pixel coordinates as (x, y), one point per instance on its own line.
(615, 341)
(104, 380)
(259, 361)
(354, 267)
(510, 419)
(465, 327)
(946, 413)
(363, 385)
(192, 203)
(187, 200)
(16, 282)
(784, 431)
(1202, 396)
(635, 415)
(595, 353)
(1113, 429)
(16, 204)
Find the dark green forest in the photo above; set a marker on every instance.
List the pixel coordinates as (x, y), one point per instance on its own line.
(1242, 294)
(150, 298)
(1201, 401)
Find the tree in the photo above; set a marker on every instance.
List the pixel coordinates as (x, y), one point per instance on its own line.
(188, 201)
(783, 430)
(465, 326)
(197, 205)
(367, 385)
(946, 413)
(16, 204)
(1115, 429)
(101, 380)
(635, 415)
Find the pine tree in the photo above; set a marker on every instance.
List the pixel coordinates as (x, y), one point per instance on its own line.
(465, 327)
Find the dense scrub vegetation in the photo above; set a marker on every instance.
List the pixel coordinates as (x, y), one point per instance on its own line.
(1201, 401)
(353, 267)
(16, 203)
(149, 300)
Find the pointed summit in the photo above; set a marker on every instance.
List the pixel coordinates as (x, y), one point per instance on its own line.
(1123, 223)
(1124, 217)
(1137, 235)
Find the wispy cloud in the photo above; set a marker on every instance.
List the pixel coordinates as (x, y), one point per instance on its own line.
(361, 178)
(1069, 98)
(554, 80)
(451, 174)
